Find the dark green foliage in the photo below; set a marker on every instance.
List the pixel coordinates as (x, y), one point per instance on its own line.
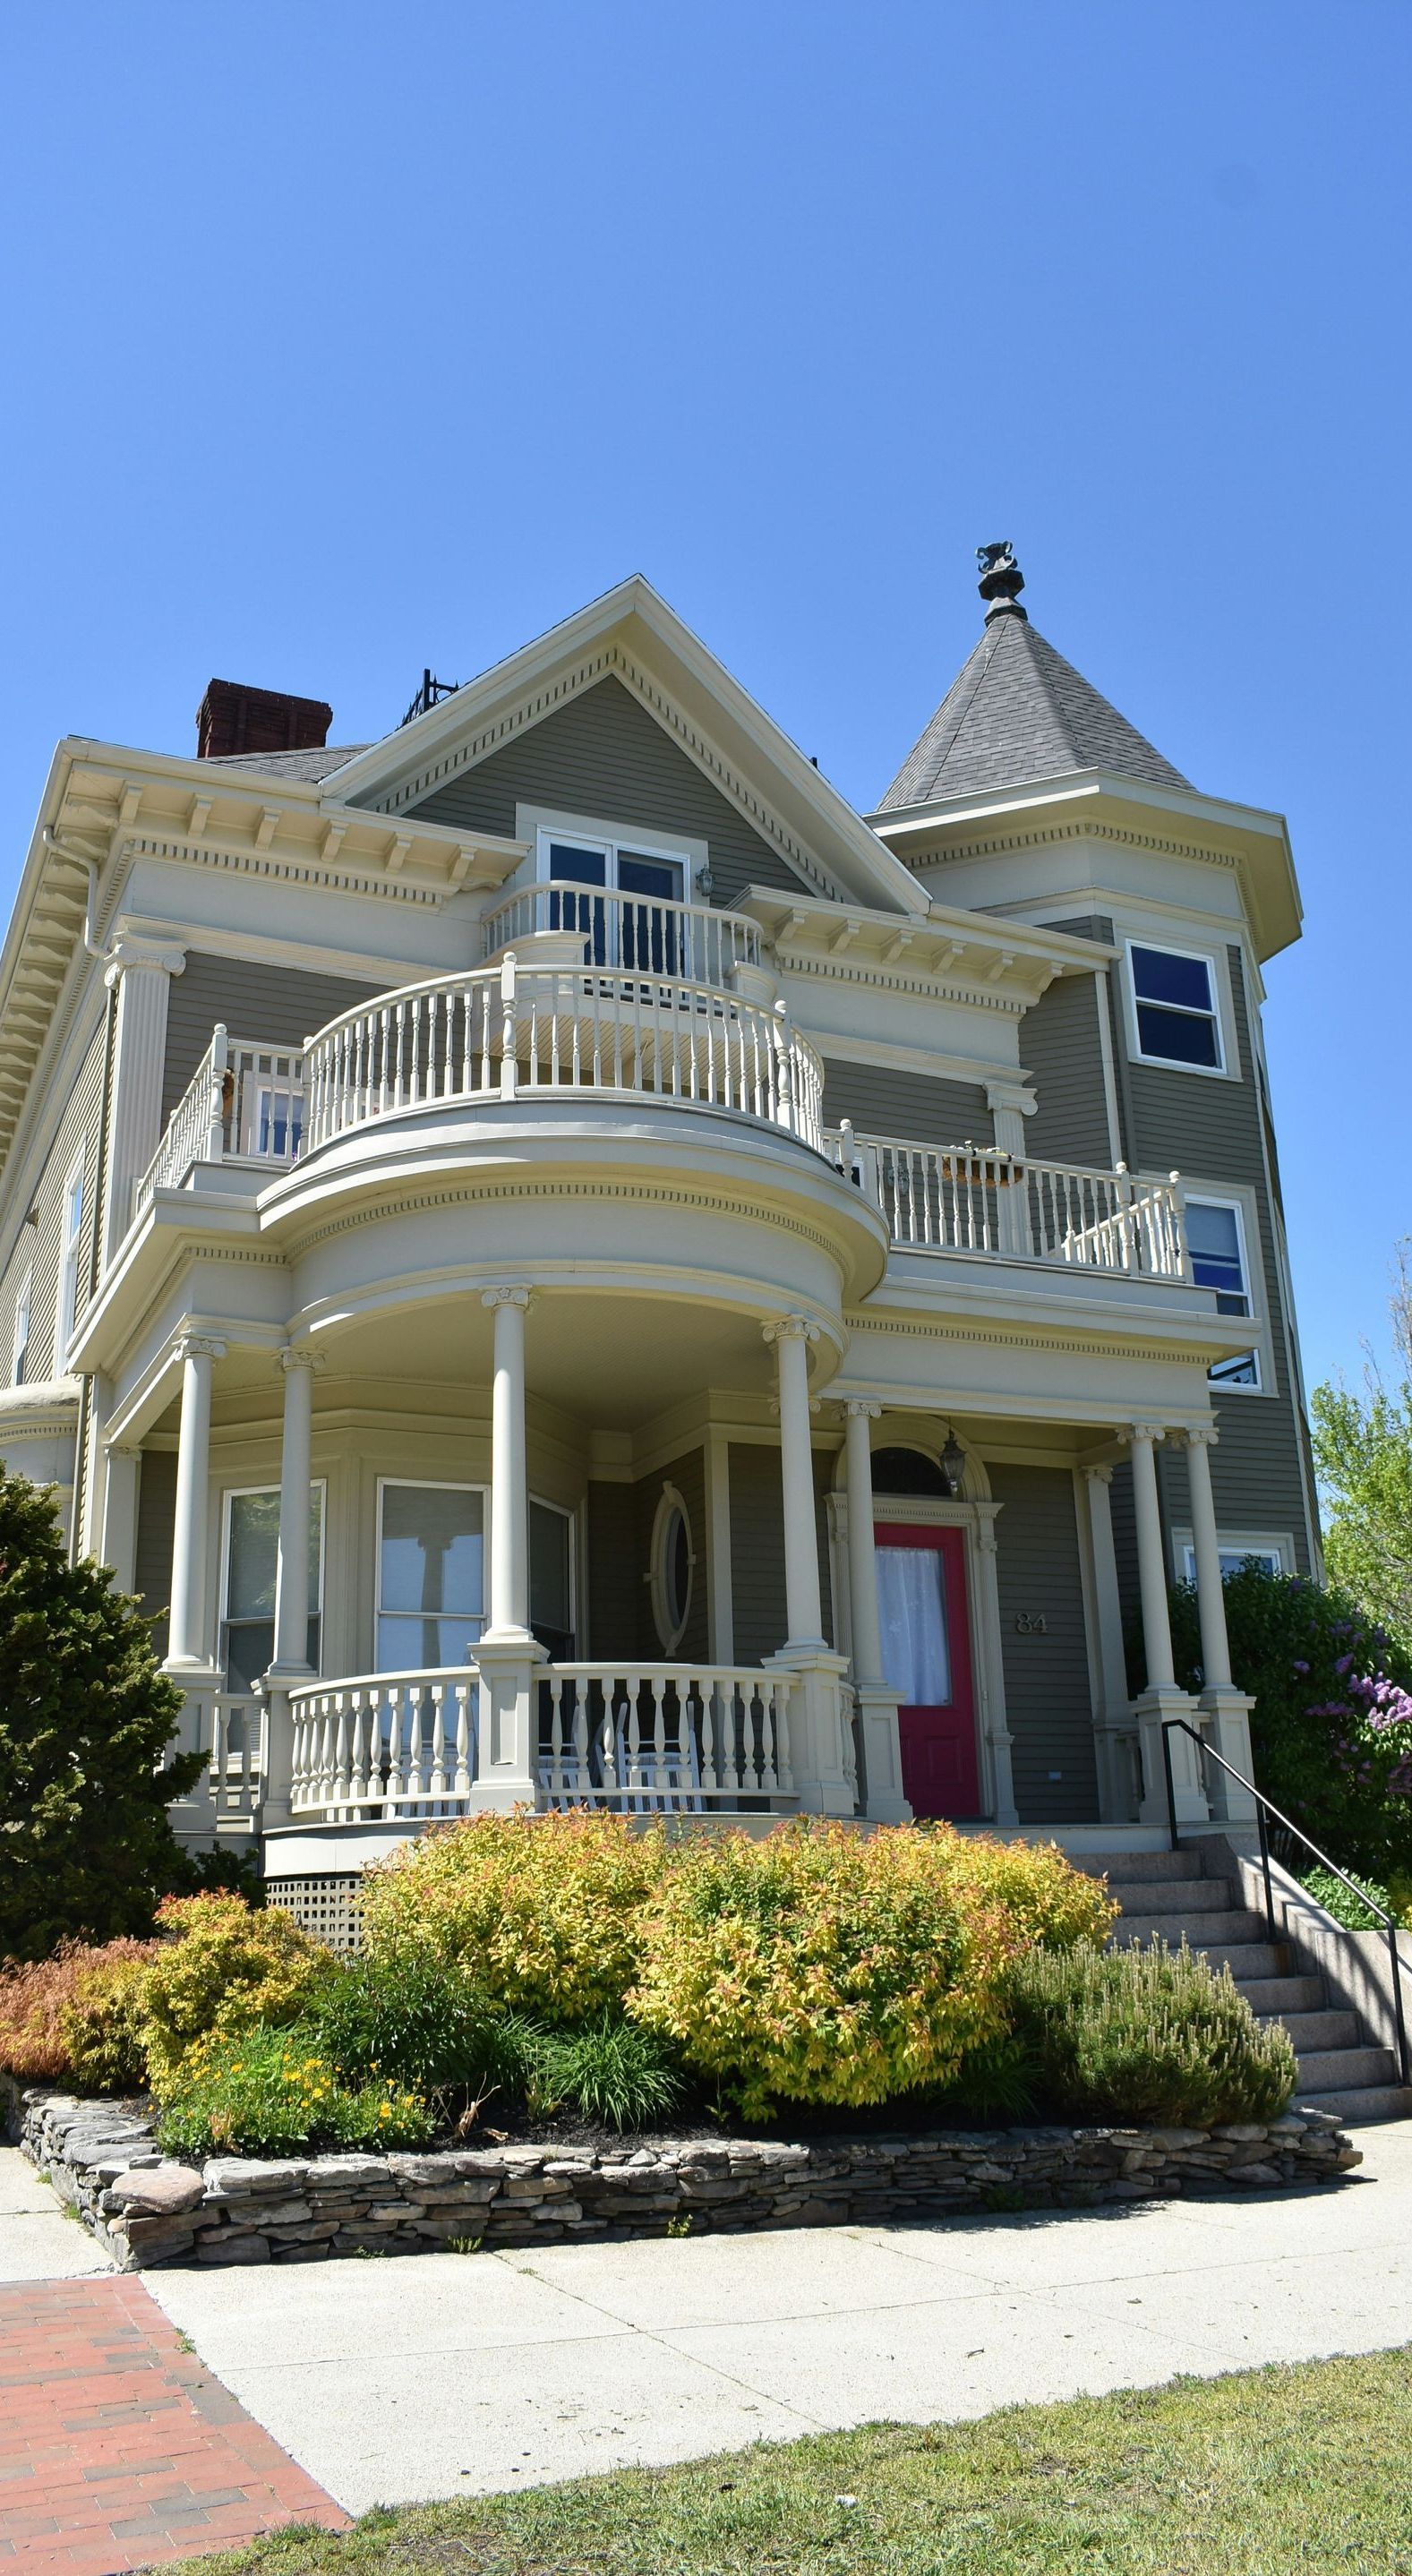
(1343, 1904)
(85, 1718)
(1146, 2035)
(1308, 1659)
(994, 2085)
(417, 2020)
(608, 2070)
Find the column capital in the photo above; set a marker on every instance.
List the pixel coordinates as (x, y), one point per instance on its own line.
(123, 1448)
(790, 1328)
(1155, 1432)
(299, 1355)
(200, 1346)
(1201, 1435)
(860, 1409)
(1098, 1475)
(517, 1295)
(1002, 1094)
(159, 956)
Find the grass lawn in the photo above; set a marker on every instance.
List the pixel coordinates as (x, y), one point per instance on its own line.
(1296, 2469)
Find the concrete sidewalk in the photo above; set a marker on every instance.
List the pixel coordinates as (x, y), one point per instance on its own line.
(396, 2381)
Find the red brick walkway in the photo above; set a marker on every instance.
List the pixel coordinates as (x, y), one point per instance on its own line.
(118, 2449)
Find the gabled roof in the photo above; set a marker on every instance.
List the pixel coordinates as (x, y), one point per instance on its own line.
(1018, 711)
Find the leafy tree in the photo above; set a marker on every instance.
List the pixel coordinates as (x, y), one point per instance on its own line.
(86, 1716)
(1363, 1450)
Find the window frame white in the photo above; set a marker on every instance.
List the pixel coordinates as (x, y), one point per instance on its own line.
(436, 1485)
(70, 1253)
(1240, 1544)
(565, 1512)
(672, 1505)
(234, 1493)
(1197, 1194)
(1222, 1070)
(541, 824)
(24, 1310)
(612, 846)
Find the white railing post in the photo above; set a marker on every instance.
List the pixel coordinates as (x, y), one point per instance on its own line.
(509, 1062)
(1181, 1250)
(222, 1100)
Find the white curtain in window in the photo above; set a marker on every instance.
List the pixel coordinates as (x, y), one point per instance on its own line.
(913, 1614)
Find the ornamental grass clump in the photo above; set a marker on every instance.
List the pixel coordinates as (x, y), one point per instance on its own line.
(276, 2092)
(544, 1912)
(1146, 2035)
(820, 1966)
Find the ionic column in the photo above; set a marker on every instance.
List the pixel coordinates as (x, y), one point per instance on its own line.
(1161, 1699)
(804, 1613)
(188, 1646)
(291, 1653)
(509, 1489)
(140, 973)
(1227, 1708)
(1116, 1789)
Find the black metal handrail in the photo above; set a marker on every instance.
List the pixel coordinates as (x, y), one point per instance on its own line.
(1266, 1807)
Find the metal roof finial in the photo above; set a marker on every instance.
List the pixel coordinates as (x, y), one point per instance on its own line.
(1001, 580)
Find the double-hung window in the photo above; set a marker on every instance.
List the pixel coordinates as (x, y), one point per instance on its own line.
(1270, 1559)
(622, 897)
(19, 1354)
(1176, 1009)
(70, 1249)
(431, 1582)
(1216, 1236)
(248, 1588)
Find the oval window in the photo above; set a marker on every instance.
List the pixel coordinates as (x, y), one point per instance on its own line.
(673, 1566)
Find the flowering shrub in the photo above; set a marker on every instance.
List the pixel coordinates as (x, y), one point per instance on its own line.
(542, 1912)
(38, 1997)
(1043, 1898)
(819, 1965)
(1146, 2035)
(277, 2091)
(221, 1969)
(102, 2025)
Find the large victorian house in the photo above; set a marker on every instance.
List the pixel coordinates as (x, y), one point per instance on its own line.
(564, 1263)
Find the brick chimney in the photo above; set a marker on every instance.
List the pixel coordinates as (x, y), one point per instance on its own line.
(233, 719)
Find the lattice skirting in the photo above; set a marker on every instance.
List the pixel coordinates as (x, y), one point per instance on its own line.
(328, 1905)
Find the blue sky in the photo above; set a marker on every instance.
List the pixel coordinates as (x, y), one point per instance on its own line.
(344, 339)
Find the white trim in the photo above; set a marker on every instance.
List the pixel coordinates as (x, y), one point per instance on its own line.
(437, 1485)
(670, 1631)
(234, 1493)
(1240, 1208)
(537, 823)
(566, 1512)
(1195, 956)
(24, 1306)
(70, 1251)
(1238, 1542)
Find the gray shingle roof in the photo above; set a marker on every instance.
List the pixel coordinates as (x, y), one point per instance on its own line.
(312, 765)
(1018, 711)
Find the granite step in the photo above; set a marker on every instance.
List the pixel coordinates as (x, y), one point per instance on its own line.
(1236, 1925)
(1362, 2105)
(1346, 2070)
(1275, 1998)
(1321, 2029)
(1189, 1896)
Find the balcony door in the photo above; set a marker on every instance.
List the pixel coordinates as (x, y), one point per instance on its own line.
(615, 896)
(926, 1644)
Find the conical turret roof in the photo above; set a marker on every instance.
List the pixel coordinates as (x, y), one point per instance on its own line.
(1017, 711)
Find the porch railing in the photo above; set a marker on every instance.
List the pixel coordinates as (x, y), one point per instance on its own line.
(658, 1738)
(244, 1103)
(651, 935)
(237, 1755)
(513, 1031)
(976, 1199)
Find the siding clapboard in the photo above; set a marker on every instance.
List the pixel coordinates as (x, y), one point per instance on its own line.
(279, 1004)
(923, 1107)
(1047, 1695)
(40, 1245)
(156, 1524)
(603, 755)
(1063, 1051)
(757, 1548)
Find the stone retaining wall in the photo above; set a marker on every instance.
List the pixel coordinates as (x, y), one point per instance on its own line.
(146, 2210)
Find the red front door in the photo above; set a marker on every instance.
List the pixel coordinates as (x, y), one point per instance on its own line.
(927, 1657)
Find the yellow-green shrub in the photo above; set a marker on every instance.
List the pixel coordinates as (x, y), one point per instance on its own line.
(1046, 1901)
(820, 1965)
(223, 1967)
(102, 2025)
(542, 1911)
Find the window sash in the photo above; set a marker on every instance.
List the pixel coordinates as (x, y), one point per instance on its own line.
(247, 1639)
(1166, 1028)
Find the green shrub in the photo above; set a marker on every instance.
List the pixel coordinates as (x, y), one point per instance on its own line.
(820, 1966)
(222, 1968)
(275, 2092)
(102, 2026)
(543, 1911)
(1043, 1899)
(416, 2018)
(86, 1719)
(38, 1995)
(1146, 2035)
(609, 2070)
(1345, 1906)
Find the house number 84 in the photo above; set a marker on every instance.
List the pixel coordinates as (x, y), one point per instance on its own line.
(1030, 1623)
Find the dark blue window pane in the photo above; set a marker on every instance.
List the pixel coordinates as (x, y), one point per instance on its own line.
(1243, 1371)
(1176, 1035)
(1160, 977)
(1213, 1235)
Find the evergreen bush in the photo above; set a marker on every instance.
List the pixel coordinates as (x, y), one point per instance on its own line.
(1145, 2035)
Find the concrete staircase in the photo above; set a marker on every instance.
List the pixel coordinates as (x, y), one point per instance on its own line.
(1173, 1893)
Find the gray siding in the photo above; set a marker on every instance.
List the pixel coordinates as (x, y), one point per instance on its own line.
(620, 1519)
(884, 1102)
(40, 1246)
(1047, 1695)
(757, 1548)
(280, 1004)
(604, 755)
(1062, 1048)
(156, 1521)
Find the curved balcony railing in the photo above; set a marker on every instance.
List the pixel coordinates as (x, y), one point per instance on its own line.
(511, 1030)
(646, 933)
(639, 1738)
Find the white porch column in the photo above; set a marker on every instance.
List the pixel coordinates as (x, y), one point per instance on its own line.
(117, 1535)
(1161, 1698)
(820, 1726)
(291, 1654)
(188, 1645)
(1227, 1708)
(507, 1761)
(877, 1703)
(1116, 1788)
(140, 973)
